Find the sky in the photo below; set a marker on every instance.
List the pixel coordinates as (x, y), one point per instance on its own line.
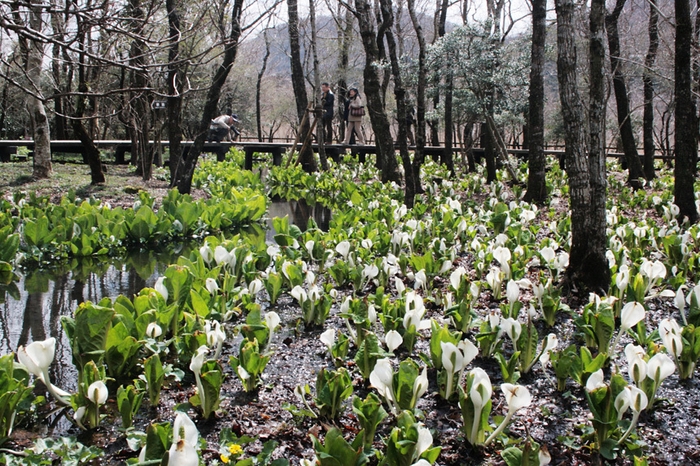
(477, 10)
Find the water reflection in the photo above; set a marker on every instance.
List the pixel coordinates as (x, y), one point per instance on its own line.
(299, 213)
(31, 309)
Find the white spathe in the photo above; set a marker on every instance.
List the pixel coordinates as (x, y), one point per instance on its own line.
(393, 340)
(97, 392)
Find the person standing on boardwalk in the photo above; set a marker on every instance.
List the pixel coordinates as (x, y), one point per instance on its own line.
(357, 110)
(328, 102)
(410, 122)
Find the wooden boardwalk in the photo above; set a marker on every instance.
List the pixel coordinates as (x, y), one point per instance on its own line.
(250, 148)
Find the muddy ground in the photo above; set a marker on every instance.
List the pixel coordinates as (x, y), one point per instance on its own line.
(670, 433)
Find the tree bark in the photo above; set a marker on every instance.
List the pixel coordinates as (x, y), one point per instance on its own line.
(447, 157)
(597, 235)
(386, 156)
(648, 81)
(176, 78)
(258, 86)
(308, 161)
(440, 22)
(90, 152)
(419, 154)
(536, 181)
(42, 135)
(588, 267)
(686, 119)
(140, 115)
(488, 144)
(401, 107)
(58, 26)
(344, 29)
(318, 104)
(624, 117)
(188, 164)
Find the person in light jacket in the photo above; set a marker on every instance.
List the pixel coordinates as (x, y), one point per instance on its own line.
(221, 128)
(354, 121)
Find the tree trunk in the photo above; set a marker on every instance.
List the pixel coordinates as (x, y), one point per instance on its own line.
(489, 145)
(140, 111)
(40, 122)
(624, 117)
(188, 164)
(469, 144)
(386, 155)
(308, 161)
(588, 266)
(258, 86)
(176, 78)
(401, 107)
(536, 181)
(318, 104)
(85, 104)
(648, 80)
(58, 26)
(686, 132)
(597, 235)
(447, 157)
(344, 29)
(419, 154)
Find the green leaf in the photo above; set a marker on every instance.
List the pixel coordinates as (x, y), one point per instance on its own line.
(199, 305)
(155, 374)
(157, 440)
(370, 413)
(273, 285)
(121, 351)
(179, 281)
(527, 344)
(367, 354)
(336, 451)
(439, 335)
(212, 379)
(87, 332)
(403, 383)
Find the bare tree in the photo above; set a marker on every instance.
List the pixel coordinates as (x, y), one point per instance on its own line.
(597, 236)
(344, 23)
(176, 78)
(33, 68)
(318, 104)
(85, 103)
(386, 156)
(686, 133)
(588, 267)
(299, 84)
(401, 107)
(419, 156)
(536, 181)
(624, 116)
(258, 85)
(187, 164)
(648, 80)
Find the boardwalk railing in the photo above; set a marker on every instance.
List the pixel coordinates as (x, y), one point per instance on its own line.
(275, 149)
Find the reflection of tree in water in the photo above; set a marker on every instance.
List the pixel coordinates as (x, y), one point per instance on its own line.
(4, 321)
(33, 321)
(301, 212)
(35, 314)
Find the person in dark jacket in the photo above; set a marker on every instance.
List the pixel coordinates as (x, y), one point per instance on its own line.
(328, 102)
(410, 122)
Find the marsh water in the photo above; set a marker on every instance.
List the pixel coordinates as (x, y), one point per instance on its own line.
(31, 308)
